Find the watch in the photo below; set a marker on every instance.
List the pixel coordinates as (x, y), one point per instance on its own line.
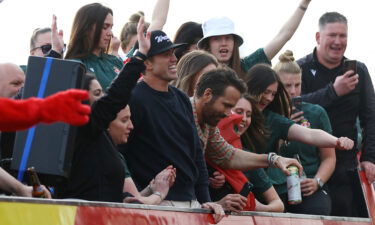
(320, 182)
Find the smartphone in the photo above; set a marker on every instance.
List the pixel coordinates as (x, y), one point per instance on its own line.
(350, 65)
(246, 189)
(297, 103)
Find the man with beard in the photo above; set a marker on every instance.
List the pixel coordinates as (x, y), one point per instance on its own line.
(216, 94)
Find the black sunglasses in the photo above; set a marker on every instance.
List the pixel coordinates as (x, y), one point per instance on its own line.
(47, 48)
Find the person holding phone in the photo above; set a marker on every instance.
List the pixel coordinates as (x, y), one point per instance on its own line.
(318, 163)
(345, 95)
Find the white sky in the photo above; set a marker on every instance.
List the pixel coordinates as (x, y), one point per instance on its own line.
(256, 21)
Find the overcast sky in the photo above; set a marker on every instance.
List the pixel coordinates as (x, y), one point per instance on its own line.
(256, 21)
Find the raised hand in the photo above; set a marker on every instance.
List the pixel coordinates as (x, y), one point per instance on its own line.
(57, 37)
(345, 83)
(143, 40)
(297, 117)
(65, 107)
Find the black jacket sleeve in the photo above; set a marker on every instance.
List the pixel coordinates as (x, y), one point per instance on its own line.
(367, 114)
(106, 108)
(323, 97)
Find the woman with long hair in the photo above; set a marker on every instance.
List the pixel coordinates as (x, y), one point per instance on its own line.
(191, 67)
(244, 128)
(273, 101)
(89, 42)
(223, 42)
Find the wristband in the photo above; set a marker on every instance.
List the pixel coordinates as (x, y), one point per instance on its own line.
(140, 55)
(158, 194)
(303, 8)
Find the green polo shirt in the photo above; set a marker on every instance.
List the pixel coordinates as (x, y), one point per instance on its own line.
(278, 127)
(259, 56)
(260, 181)
(105, 67)
(316, 118)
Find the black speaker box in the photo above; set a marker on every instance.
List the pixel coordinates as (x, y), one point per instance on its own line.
(48, 148)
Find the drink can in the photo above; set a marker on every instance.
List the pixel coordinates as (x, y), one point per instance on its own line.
(294, 186)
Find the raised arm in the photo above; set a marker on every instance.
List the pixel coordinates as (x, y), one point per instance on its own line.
(106, 108)
(287, 31)
(159, 15)
(57, 40)
(318, 138)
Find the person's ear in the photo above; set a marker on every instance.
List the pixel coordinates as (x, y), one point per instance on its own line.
(207, 95)
(317, 37)
(148, 64)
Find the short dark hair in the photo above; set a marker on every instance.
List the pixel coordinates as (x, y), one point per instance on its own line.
(87, 79)
(190, 33)
(331, 17)
(218, 80)
(35, 35)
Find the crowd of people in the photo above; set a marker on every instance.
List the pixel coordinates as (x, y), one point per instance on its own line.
(190, 123)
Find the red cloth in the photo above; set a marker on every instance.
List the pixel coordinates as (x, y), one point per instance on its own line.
(234, 177)
(63, 106)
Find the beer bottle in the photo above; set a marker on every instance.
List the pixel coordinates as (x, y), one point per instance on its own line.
(37, 187)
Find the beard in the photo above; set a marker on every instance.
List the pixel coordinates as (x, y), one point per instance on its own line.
(210, 115)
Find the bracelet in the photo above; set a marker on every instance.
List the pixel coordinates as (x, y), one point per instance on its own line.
(303, 8)
(272, 158)
(270, 155)
(140, 55)
(158, 194)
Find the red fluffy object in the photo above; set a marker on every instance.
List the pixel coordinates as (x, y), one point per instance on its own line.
(64, 106)
(235, 178)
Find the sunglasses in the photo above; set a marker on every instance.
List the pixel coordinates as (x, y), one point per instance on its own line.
(46, 48)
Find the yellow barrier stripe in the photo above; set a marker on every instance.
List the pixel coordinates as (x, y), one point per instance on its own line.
(12, 213)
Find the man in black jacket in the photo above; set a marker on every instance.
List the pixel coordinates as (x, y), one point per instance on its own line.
(345, 96)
